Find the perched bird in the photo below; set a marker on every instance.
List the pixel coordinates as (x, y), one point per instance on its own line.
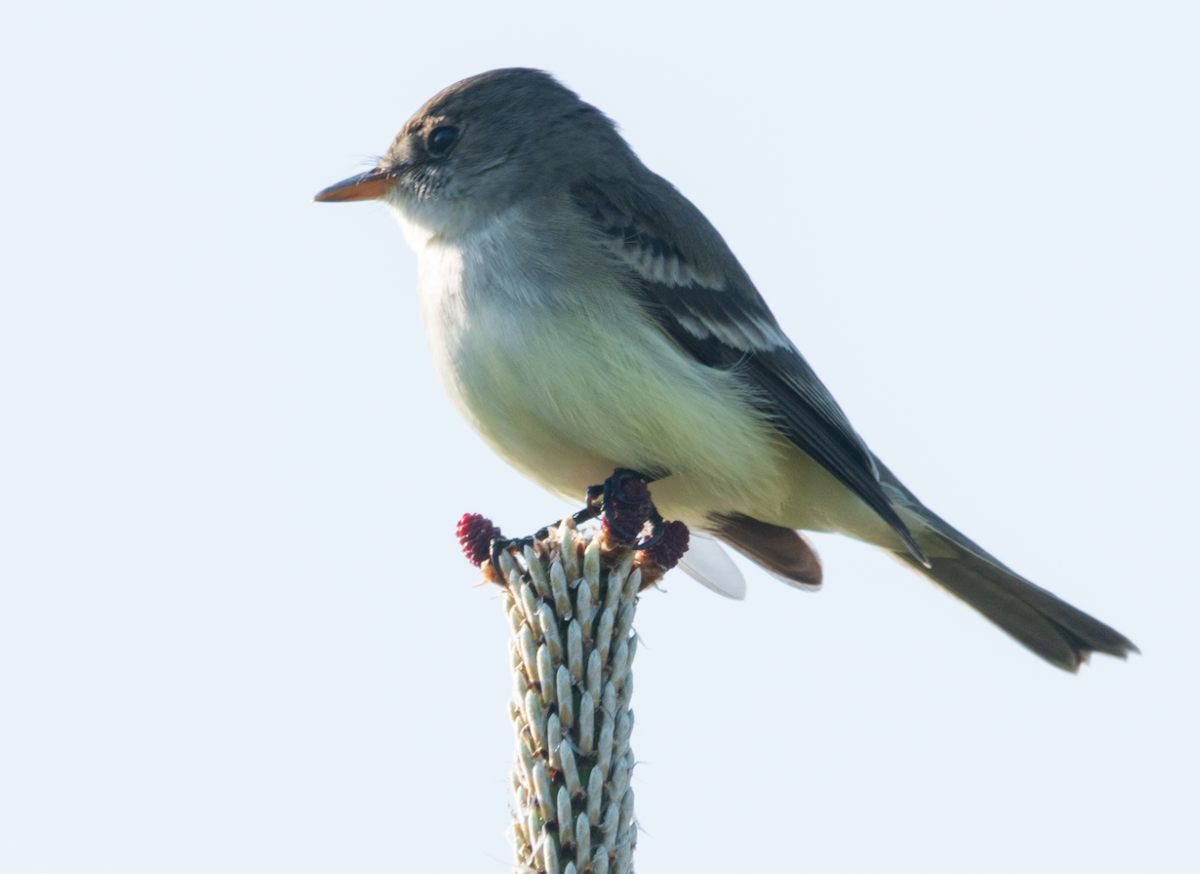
(585, 316)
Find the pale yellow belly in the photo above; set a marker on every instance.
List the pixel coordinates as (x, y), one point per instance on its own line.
(566, 396)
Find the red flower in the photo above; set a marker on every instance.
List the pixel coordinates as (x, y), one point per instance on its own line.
(671, 546)
(476, 533)
(628, 511)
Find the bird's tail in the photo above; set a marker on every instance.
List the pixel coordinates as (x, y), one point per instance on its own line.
(1052, 628)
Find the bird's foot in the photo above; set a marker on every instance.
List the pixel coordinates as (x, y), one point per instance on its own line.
(623, 500)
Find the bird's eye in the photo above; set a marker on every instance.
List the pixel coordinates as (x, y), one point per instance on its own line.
(441, 140)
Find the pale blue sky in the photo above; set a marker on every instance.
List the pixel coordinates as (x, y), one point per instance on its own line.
(235, 632)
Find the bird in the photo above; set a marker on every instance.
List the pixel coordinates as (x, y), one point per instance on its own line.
(584, 316)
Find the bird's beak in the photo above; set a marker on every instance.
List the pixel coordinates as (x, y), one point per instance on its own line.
(371, 185)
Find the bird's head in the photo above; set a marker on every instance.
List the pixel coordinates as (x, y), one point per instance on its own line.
(485, 144)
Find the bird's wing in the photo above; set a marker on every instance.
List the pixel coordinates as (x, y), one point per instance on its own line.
(690, 282)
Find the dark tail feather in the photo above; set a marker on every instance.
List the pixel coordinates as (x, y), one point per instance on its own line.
(1052, 628)
(782, 551)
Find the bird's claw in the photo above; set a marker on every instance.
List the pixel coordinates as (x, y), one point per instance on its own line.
(503, 544)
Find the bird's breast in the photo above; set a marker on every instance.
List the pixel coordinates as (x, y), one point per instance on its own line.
(549, 356)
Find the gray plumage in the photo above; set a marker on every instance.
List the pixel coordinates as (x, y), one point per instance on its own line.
(584, 315)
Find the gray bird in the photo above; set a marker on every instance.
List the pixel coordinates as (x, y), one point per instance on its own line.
(585, 316)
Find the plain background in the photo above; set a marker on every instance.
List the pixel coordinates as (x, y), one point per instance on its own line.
(235, 631)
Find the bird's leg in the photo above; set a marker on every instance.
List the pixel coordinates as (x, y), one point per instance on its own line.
(609, 499)
(593, 508)
(627, 507)
(613, 485)
(624, 502)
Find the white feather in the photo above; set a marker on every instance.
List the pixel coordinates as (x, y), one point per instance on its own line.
(708, 564)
